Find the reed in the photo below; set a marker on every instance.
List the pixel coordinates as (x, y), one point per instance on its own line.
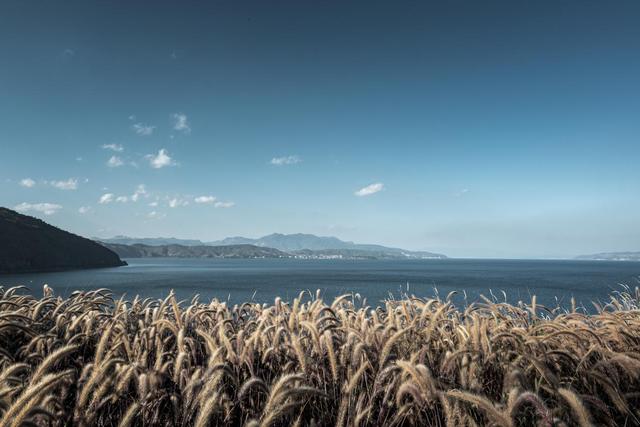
(89, 359)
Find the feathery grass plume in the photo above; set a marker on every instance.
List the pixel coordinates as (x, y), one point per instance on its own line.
(530, 399)
(29, 400)
(98, 373)
(279, 387)
(488, 408)
(51, 359)
(577, 407)
(299, 351)
(206, 410)
(333, 363)
(386, 350)
(355, 379)
(129, 415)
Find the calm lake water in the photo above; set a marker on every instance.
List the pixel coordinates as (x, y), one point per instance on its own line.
(262, 279)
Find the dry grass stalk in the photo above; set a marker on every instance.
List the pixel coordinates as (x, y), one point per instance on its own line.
(91, 360)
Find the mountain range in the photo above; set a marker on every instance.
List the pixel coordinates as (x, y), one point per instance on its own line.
(612, 256)
(181, 251)
(299, 245)
(151, 241)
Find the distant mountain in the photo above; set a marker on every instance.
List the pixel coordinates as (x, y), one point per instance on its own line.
(362, 254)
(234, 241)
(612, 256)
(150, 241)
(181, 251)
(298, 242)
(288, 243)
(28, 244)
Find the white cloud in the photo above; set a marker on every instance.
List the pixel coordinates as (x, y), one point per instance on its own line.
(153, 204)
(27, 182)
(176, 202)
(155, 215)
(140, 191)
(142, 129)
(45, 208)
(461, 192)
(224, 205)
(84, 209)
(370, 189)
(132, 117)
(115, 162)
(106, 198)
(286, 160)
(70, 184)
(181, 123)
(160, 160)
(113, 147)
(205, 200)
(122, 199)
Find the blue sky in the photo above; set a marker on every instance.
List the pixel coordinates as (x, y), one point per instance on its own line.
(477, 129)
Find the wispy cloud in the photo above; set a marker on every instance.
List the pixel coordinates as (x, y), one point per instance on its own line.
(211, 200)
(69, 184)
(143, 129)
(461, 192)
(45, 208)
(176, 202)
(205, 200)
(115, 162)
(84, 209)
(370, 189)
(155, 215)
(224, 205)
(141, 190)
(181, 123)
(286, 160)
(27, 182)
(160, 160)
(113, 147)
(110, 197)
(106, 198)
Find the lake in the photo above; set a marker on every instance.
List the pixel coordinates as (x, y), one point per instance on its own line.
(261, 280)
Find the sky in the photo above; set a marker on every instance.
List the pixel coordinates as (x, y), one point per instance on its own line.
(503, 129)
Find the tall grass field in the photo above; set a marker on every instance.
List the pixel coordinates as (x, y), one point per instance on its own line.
(92, 360)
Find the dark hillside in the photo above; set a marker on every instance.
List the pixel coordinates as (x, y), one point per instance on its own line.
(28, 244)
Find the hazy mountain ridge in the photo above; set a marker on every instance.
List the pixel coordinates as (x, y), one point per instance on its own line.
(182, 251)
(149, 241)
(362, 254)
(28, 244)
(612, 256)
(291, 244)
